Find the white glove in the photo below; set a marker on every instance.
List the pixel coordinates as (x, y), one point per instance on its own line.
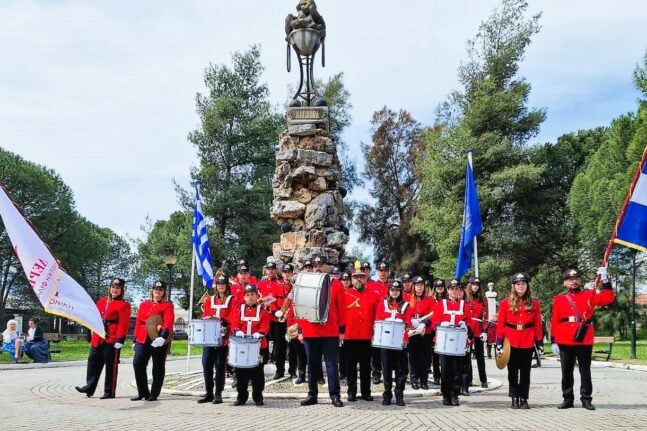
(257, 335)
(118, 346)
(278, 314)
(555, 348)
(414, 323)
(603, 273)
(158, 342)
(499, 350)
(463, 324)
(484, 337)
(240, 333)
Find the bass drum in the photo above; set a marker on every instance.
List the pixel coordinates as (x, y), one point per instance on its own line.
(312, 296)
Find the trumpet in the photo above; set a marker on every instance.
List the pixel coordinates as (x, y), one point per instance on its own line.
(293, 331)
(286, 305)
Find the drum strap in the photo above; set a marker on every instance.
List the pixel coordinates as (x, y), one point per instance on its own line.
(453, 313)
(402, 307)
(250, 319)
(219, 307)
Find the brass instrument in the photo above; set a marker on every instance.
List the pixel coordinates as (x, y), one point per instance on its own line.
(153, 326)
(293, 331)
(286, 304)
(413, 331)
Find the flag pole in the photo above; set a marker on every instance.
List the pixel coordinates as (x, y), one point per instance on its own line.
(476, 253)
(190, 314)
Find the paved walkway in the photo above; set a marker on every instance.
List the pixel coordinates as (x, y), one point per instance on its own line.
(43, 398)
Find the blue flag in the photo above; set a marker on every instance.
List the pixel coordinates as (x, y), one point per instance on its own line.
(632, 226)
(472, 225)
(201, 243)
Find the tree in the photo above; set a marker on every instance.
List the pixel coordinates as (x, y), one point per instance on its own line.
(489, 115)
(235, 145)
(390, 166)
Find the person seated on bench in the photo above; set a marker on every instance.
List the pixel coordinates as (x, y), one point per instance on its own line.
(36, 347)
(12, 341)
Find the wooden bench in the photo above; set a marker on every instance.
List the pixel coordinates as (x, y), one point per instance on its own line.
(52, 337)
(603, 340)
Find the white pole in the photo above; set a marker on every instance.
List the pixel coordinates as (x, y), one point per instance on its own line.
(190, 314)
(476, 252)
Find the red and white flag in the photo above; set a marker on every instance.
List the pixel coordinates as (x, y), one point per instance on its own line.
(59, 293)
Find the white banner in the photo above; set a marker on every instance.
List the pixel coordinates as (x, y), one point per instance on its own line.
(59, 293)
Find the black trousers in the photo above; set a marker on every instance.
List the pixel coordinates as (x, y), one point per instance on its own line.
(451, 372)
(328, 347)
(359, 353)
(104, 354)
(243, 377)
(567, 355)
(279, 345)
(435, 358)
(477, 348)
(519, 372)
(419, 357)
(297, 359)
(376, 363)
(343, 361)
(143, 353)
(394, 361)
(214, 358)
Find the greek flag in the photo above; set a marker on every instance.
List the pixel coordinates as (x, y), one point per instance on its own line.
(632, 223)
(472, 225)
(201, 243)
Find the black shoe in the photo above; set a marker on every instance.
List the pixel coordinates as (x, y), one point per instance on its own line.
(106, 397)
(565, 405)
(310, 401)
(534, 366)
(292, 374)
(278, 376)
(447, 402)
(321, 381)
(206, 399)
(523, 404)
(399, 401)
(336, 401)
(415, 385)
(234, 382)
(217, 399)
(83, 390)
(436, 382)
(587, 405)
(299, 381)
(484, 385)
(377, 380)
(424, 386)
(138, 398)
(515, 403)
(152, 398)
(386, 402)
(258, 403)
(352, 398)
(239, 403)
(455, 401)
(367, 398)
(465, 392)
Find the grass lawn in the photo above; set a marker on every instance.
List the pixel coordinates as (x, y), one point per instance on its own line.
(78, 351)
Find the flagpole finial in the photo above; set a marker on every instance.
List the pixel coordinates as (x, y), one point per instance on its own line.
(469, 150)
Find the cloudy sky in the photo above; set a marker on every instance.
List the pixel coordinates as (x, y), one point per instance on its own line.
(103, 91)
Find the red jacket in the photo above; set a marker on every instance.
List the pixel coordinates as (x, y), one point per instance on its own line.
(527, 324)
(564, 322)
(379, 288)
(116, 319)
(360, 314)
(238, 288)
(459, 310)
(251, 319)
(476, 322)
(149, 308)
(386, 309)
(421, 308)
(336, 323)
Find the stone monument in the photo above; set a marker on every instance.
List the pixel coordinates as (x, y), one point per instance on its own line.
(491, 300)
(307, 200)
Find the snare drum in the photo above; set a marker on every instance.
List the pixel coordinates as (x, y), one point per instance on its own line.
(205, 333)
(311, 296)
(388, 334)
(244, 352)
(451, 340)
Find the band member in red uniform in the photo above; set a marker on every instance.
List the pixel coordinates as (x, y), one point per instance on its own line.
(451, 311)
(437, 294)
(346, 284)
(420, 342)
(360, 315)
(478, 325)
(407, 286)
(394, 308)
(145, 348)
(219, 306)
(324, 339)
(115, 313)
(242, 279)
(278, 290)
(519, 321)
(572, 332)
(251, 320)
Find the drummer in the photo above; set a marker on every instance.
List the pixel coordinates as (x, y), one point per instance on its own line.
(451, 312)
(219, 307)
(519, 321)
(250, 320)
(420, 341)
(439, 292)
(394, 308)
(152, 342)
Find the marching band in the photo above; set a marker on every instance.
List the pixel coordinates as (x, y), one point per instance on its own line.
(415, 329)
